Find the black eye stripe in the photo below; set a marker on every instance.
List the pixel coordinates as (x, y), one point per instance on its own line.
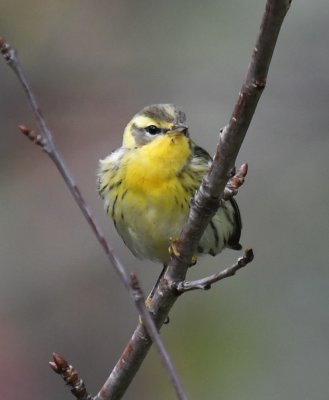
(153, 130)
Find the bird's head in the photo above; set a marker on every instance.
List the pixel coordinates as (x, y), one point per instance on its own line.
(153, 122)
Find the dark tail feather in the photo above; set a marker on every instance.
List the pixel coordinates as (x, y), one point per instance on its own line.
(234, 241)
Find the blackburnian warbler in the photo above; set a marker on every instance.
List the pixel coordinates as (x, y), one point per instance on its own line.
(147, 185)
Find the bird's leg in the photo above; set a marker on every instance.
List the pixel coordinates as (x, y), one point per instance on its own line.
(173, 250)
(151, 295)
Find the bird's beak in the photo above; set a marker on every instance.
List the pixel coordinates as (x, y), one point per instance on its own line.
(179, 128)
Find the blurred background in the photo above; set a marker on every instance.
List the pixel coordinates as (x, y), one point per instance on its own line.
(94, 64)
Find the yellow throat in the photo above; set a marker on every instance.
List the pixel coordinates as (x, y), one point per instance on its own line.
(152, 165)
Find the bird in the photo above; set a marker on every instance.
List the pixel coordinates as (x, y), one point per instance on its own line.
(147, 185)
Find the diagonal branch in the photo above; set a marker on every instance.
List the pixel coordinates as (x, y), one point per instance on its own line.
(206, 200)
(152, 331)
(45, 140)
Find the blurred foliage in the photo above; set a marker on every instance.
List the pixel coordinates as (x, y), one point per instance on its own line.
(262, 334)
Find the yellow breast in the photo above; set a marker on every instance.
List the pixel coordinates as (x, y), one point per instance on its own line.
(153, 203)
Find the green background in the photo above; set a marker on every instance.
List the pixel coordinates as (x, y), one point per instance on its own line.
(260, 335)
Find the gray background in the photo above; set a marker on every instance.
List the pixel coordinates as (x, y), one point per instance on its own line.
(93, 64)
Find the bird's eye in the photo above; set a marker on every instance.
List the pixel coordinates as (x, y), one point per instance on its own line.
(153, 130)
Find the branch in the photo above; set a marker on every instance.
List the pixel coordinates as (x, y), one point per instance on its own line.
(45, 140)
(205, 283)
(152, 331)
(203, 207)
(206, 200)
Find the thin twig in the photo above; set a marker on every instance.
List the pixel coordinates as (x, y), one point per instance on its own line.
(206, 200)
(205, 283)
(45, 140)
(70, 377)
(235, 182)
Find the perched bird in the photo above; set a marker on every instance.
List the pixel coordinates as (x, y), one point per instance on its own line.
(147, 185)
